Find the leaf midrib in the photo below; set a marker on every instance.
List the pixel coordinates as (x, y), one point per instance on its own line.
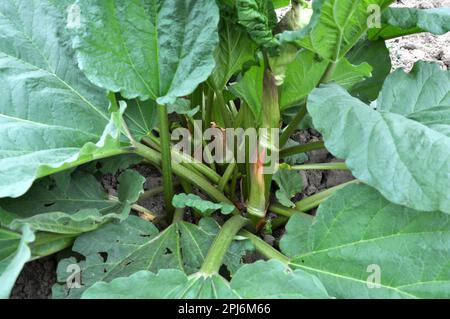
(360, 242)
(32, 66)
(48, 126)
(125, 47)
(364, 241)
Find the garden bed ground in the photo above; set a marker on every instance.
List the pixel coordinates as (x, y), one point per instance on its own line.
(38, 277)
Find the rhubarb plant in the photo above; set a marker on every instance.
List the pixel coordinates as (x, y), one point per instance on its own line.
(211, 94)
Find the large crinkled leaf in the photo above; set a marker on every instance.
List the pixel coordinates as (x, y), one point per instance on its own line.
(362, 246)
(204, 207)
(423, 95)
(335, 27)
(436, 118)
(81, 206)
(160, 50)
(51, 117)
(234, 50)
(259, 19)
(13, 257)
(426, 86)
(378, 56)
(397, 22)
(405, 160)
(261, 280)
(306, 71)
(134, 245)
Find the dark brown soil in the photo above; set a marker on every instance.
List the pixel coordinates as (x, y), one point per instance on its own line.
(36, 280)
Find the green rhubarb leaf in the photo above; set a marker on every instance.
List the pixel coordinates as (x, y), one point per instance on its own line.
(14, 253)
(362, 246)
(161, 50)
(436, 118)
(347, 74)
(116, 164)
(306, 71)
(167, 284)
(274, 280)
(301, 77)
(141, 117)
(80, 207)
(423, 95)
(234, 50)
(290, 184)
(259, 19)
(378, 56)
(204, 207)
(402, 158)
(398, 22)
(261, 280)
(250, 89)
(51, 117)
(335, 27)
(183, 107)
(120, 250)
(295, 240)
(426, 86)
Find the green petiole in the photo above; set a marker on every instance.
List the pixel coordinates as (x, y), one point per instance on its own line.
(321, 167)
(284, 211)
(317, 199)
(184, 173)
(166, 159)
(229, 172)
(264, 248)
(186, 160)
(299, 149)
(220, 246)
(292, 126)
